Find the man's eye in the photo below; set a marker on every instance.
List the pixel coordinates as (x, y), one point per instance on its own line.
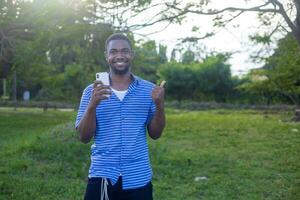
(125, 51)
(122, 51)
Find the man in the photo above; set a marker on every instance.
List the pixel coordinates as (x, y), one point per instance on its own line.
(116, 117)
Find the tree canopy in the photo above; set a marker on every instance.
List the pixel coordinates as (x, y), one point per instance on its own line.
(55, 48)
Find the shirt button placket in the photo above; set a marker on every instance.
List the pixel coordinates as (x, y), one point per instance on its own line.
(122, 135)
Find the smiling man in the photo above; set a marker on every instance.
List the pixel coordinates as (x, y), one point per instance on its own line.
(116, 118)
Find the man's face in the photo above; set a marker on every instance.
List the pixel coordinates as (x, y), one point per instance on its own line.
(119, 56)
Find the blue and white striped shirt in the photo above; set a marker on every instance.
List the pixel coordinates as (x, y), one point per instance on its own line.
(120, 145)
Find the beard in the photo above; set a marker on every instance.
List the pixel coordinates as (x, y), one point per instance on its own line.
(120, 71)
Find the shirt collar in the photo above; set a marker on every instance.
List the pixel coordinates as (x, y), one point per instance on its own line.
(135, 82)
(136, 79)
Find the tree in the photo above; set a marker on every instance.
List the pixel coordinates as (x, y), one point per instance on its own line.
(280, 77)
(65, 36)
(124, 14)
(188, 57)
(214, 78)
(73, 49)
(148, 59)
(283, 71)
(285, 14)
(288, 10)
(181, 81)
(209, 80)
(13, 27)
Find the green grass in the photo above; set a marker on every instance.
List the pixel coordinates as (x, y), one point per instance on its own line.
(40, 156)
(243, 154)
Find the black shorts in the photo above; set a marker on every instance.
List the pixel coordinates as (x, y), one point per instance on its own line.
(115, 192)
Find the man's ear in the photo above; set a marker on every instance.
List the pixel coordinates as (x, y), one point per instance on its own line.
(132, 54)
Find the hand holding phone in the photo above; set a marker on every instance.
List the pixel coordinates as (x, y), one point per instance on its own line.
(101, 89)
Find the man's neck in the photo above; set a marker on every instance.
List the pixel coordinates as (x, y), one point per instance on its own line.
(120, 82)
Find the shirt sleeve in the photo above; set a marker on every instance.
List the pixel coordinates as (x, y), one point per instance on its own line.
(84, 102)
(151, 112)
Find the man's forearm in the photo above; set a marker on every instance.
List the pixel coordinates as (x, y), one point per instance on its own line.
(157, 124)
(87, 125)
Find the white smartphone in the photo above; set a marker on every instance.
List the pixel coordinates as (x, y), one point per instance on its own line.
(103, 77)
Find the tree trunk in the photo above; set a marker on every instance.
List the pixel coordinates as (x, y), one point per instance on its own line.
(297, 22)
(297, 36)
(15, 90)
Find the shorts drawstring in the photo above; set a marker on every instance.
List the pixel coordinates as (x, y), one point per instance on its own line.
(104, 184)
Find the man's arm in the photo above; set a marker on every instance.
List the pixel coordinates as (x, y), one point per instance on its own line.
(157, 124)
(87, 125)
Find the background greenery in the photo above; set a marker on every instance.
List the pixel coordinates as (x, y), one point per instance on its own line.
(239, 155)
(53, 49)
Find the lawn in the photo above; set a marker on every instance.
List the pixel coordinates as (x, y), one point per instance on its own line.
(217, 154)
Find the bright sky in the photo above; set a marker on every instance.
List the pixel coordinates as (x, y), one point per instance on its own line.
(227, 39)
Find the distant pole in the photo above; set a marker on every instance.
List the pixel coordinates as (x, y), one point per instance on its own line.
(4, 87)
(15, 90)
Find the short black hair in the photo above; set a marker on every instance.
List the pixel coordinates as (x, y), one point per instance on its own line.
(117, 36)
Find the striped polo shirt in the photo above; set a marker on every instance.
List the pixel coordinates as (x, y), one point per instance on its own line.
(120, 145)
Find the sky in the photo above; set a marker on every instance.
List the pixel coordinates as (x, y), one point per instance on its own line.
(233, 38)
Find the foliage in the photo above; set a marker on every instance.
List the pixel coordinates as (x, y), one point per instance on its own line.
(180, 80)
(56, 47)
(206, 81)
(148, 60)
(214, 78)
(68, 49)
(283, 69)
(280, 77)
(276, 16)
(14, 27)
(65, 39)
(188, 57)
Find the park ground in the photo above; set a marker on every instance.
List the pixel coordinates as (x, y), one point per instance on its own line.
(211, 155)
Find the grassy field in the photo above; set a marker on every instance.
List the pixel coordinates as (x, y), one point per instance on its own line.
(215, 154)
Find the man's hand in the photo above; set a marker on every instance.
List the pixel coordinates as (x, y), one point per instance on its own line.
(99, 93)
(158, 95)
(157, 124)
